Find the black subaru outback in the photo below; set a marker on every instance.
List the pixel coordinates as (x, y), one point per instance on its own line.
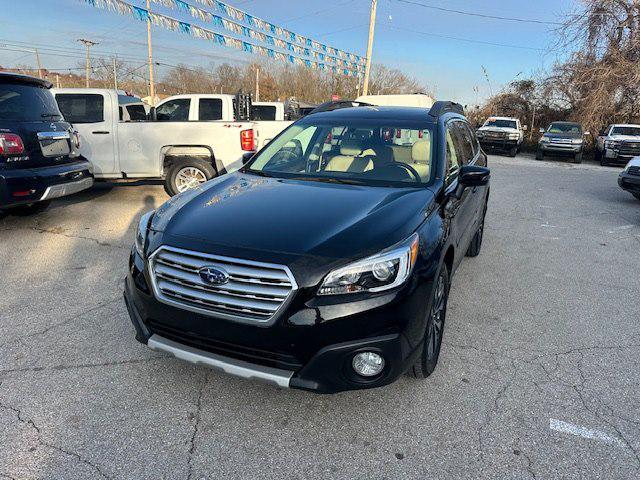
(39, 151)
(323, 264)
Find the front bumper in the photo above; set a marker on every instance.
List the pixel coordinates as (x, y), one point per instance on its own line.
(497, 144)
(560, 148)
(303, 350)
(20, 186)
(630, 183)
(618, 155)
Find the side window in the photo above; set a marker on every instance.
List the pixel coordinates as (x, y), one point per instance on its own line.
(81, 107)
(263, 112)
(210, 109)
(174, 110)
(463, 142)
(453, 165)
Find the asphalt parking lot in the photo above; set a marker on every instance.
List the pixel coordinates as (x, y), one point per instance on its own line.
(538, 377)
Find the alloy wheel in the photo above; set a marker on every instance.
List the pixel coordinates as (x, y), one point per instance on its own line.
(189, 177)
(436, 323)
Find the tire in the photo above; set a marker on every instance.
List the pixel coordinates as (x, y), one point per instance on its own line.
(29, 209)
(183, 170)
(513, 152)
(428, 360)
(637, 195)
(476, 241)
(577, 158)
(539, 154)
(598, 156)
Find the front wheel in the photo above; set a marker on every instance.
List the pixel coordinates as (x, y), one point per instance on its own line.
(437, 312)
(577, 158)
(187, 173)
(513, 151)
(539, 154)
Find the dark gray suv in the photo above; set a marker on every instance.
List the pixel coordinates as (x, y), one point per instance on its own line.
(562, 138)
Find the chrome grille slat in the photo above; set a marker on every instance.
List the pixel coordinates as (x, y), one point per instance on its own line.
(255, 292)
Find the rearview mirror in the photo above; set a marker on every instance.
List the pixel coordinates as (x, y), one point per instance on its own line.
(525, 128)
(152, 116)
(474, 176)
(541, 130)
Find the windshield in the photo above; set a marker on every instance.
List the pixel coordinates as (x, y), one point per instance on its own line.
(359, 153)
(564, 128)
(632, 131)
(27, 103)
(494, 122)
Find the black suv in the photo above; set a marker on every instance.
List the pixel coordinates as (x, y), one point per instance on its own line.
(39, 151)
(325, 262)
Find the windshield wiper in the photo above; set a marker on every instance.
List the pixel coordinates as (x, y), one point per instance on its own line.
(343, 181)
(260, 173)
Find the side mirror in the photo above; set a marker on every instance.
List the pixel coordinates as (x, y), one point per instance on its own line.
(246, 157)
(152, 116)
(474, 176)
(525, 128)
(541, 130)
(587, 133)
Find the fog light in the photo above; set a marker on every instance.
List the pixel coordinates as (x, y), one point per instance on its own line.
(368, 364)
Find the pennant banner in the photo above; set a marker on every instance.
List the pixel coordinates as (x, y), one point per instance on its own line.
(321, 61)
(289, 41)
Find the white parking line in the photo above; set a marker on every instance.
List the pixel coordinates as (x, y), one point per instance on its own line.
(570, 428)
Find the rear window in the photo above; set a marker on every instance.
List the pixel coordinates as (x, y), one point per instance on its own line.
(81, 107)
(210, 109)
(136, 113)
(263, 112)
(27, 103)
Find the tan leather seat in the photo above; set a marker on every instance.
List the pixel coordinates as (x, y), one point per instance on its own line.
(421, 158)
(350, 159)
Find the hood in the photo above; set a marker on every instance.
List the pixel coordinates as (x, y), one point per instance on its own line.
(624, 138)
(499, 129)
(634, 162)
(241, 212)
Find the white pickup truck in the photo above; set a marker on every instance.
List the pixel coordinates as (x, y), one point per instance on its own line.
(188, 139)
(501, 133)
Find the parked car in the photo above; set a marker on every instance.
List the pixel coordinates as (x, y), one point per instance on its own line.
(629, 178)
(501, 134)
(618, 143)
(321, 265)
(188, 140)
(562, 138)
(39, 155)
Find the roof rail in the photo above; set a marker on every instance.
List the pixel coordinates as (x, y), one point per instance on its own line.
(445, 106)
(338, 104)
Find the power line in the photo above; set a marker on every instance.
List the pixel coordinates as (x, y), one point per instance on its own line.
(480, 15)
(460, 39)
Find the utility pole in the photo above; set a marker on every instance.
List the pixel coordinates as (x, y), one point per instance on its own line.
(372, 26)
(39, 64)
(152, 88)
(115, 75)
(88, 44)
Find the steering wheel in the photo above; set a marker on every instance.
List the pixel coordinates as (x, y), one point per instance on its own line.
(407, 168)
(282, 159)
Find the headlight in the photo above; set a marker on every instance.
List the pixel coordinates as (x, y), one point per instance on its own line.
(577, 141)
(143, 229)
(383, 271)
(544, 139)
(611, 144)
(479, 133)
(514, 136)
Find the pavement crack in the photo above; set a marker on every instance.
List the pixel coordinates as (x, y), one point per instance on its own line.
(132, 361)
(196, 425)
(59, 231)
(30, 423)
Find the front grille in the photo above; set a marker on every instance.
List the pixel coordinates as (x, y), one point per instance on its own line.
(629, 149)
(269, 358)
(254, 293)
(634, 171)
(495, 134)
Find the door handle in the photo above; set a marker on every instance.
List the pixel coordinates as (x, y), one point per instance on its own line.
(100, 132)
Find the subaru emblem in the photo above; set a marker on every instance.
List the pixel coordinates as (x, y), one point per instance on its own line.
(213, 275)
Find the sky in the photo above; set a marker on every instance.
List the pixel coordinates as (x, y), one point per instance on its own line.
(444, 50)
